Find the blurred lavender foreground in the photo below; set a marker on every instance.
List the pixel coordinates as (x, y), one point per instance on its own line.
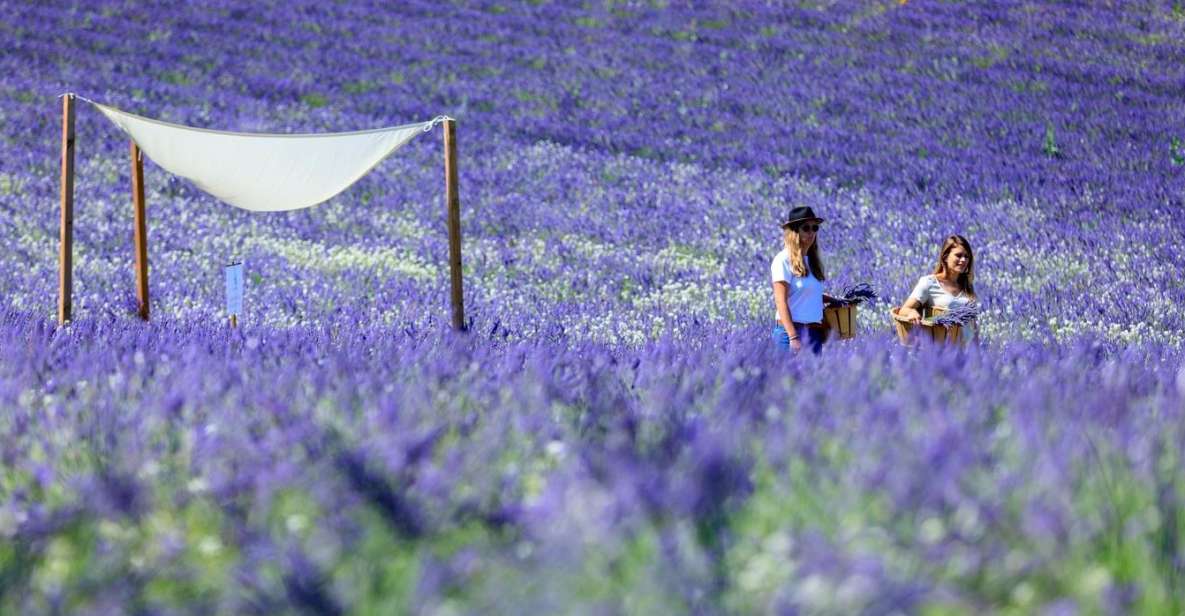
(614, 434)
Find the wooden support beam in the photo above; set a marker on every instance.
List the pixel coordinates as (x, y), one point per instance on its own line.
(66, 227)
(141, 230)
(454, 222)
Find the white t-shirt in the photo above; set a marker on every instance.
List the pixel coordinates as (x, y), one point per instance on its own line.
(929, 292)
(806, 292)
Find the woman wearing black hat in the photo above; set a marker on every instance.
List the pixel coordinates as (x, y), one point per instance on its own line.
(797, 273)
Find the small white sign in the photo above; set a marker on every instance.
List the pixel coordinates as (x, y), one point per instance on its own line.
(234, 289)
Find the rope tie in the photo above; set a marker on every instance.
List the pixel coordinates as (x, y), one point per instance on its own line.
(78, 96)
(437, 120)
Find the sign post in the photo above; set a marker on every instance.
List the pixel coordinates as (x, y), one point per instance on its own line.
(234, 292)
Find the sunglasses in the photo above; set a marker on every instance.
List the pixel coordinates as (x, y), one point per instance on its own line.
(808, 227)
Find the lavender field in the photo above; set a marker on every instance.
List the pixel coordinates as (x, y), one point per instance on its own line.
(615, 432)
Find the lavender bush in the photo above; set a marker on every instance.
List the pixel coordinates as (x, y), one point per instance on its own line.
(613, 434)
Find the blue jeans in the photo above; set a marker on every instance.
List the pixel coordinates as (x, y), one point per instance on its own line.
(810, 338)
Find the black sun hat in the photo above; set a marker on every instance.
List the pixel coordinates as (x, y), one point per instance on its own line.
(799, 214)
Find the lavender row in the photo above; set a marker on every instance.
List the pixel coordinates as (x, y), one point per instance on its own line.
(184, 468)
(927, 98)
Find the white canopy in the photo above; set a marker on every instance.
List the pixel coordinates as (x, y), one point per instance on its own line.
(264, 172)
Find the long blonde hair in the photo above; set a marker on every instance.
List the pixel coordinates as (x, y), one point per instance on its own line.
(966, 280)
(794, 251)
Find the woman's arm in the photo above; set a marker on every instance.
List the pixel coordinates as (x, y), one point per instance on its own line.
(909, 310)
(781, 292)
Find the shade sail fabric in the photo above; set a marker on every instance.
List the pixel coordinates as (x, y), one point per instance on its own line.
(264, 172)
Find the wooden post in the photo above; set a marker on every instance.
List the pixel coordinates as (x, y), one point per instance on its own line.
(454, 222)
(66, 235)
(141, 230)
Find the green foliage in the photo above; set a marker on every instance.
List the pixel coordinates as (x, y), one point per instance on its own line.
(314, 100)
(361, 86)
(1049, 144)
(176, 78)
(383, 570)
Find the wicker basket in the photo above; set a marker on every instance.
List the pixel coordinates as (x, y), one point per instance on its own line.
(950, 334)
(841, 320)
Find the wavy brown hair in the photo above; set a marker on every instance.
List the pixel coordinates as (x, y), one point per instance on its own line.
(797, 265)
(966, 280)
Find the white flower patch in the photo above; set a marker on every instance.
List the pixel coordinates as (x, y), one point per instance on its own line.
(681, 258)
(402, 225)
(336, 259)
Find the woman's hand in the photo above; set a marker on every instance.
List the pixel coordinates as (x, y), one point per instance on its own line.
(909, 314)
(795, 344)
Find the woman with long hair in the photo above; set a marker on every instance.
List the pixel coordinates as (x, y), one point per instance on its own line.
(951, 285)
(797, 274)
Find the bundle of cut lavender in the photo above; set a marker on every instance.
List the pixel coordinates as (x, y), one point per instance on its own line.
(961, 315)
(855, 295)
